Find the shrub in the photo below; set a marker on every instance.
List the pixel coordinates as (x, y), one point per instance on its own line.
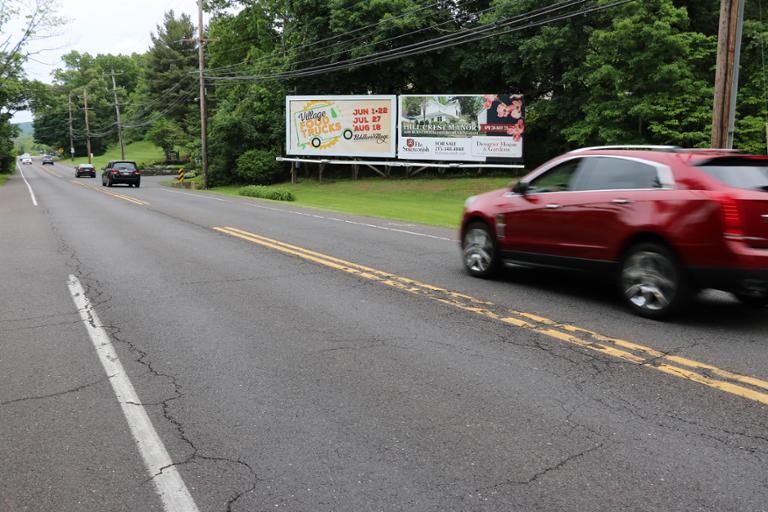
(257, 166)
(276, 194)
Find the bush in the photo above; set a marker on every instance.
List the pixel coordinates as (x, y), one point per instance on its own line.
(257, 166)
(276, 194)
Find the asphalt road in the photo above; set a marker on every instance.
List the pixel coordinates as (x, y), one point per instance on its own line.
(295, 359)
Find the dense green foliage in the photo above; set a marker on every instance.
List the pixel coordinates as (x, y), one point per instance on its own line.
(260, 191)
(156, 91)
(257, 166)
(641, 72)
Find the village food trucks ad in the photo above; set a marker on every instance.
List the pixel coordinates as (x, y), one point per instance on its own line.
(461, 127)
(361, 126)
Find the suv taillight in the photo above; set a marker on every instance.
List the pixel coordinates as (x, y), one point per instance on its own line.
(733, 219)
(113, 171)
(136, 172)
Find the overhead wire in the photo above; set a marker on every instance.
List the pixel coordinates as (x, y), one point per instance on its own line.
(471, 35)
(351, 41)
(314, 44)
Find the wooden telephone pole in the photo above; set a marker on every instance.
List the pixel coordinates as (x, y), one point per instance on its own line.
(117, 113)
(203, 109)
(71, 136)
(87, 128)
(727, 75)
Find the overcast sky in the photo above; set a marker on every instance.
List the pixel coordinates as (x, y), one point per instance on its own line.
(102, 26)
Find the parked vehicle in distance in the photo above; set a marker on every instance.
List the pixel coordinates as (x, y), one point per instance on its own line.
(47, 160)
(665, 222)
(85, 170)
(121, 171)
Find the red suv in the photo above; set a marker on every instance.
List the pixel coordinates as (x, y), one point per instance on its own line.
(665, 221)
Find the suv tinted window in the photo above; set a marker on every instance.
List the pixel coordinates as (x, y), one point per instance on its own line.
(739, 174)
(607, 173)
(130, 166)
(557, 179)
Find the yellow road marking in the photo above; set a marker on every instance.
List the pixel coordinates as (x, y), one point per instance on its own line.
(635, 353)
(113, 194)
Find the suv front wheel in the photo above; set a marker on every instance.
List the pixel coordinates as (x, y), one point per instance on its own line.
(479, 251)
(652, 282)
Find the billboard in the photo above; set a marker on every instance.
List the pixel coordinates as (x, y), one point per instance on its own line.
(460, 127)
(362, 126)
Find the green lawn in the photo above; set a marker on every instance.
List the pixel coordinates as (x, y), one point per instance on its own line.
(142, 152)
(435, 201)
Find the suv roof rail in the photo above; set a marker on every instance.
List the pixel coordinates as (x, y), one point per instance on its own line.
(630, 147)
(708, 150)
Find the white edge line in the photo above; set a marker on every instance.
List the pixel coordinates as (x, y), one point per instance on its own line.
(31, 193)
(334, 219)
(194, 195)
(168, 482)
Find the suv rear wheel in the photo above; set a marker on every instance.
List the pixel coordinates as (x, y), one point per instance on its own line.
(479, 251)
(652, 282)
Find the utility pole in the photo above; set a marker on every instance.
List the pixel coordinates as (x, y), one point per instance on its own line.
(87, 128)
(117, 112)
(71, 136)
(203, 110)
(727, 74)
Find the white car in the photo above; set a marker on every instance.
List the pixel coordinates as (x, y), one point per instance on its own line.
(26, 160)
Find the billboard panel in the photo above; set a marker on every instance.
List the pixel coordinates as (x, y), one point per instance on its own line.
(362, 126)
(460, 127)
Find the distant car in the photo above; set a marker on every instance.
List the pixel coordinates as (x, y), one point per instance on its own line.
(26, 160)
(664, 222)
(85, 170)
(47, 160)
(121, 171)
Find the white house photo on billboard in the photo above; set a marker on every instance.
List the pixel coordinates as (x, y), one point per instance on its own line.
(461, 127)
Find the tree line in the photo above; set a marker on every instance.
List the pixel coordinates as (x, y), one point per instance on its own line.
(639, 72)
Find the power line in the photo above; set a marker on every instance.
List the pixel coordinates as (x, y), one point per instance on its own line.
(314, 44)
(350, 45)
(448, 41)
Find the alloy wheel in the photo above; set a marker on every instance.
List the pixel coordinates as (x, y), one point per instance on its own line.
(649, 281)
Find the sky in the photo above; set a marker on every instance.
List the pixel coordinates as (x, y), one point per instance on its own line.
(101, 26)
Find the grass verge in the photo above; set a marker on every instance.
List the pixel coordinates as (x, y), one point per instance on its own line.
(4, 178)
(437, 202)
(141, 152)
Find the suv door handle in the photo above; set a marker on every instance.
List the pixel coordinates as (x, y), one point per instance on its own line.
(552, 206)
(622, 200)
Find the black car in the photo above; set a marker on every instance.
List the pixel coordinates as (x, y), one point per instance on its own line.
(85, 170)
(47, 159)
(121, 171)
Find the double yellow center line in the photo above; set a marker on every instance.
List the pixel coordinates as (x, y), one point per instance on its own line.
(635, 353)
(113, 194)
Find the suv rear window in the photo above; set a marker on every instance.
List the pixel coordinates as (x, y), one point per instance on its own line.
(128, 166)
(739, 173)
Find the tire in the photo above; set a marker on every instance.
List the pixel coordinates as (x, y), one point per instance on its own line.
(480, 252)
(753, 301)
(137, 184)
(109, 182)
(651, 281)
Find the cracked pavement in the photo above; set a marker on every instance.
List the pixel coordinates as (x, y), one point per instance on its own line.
(278, 384)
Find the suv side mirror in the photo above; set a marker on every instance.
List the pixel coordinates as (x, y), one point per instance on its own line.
(521, 187)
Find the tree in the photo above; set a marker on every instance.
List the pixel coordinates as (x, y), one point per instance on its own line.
(647, 80)
(166, 134)
(36, 20)
(169, 82)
